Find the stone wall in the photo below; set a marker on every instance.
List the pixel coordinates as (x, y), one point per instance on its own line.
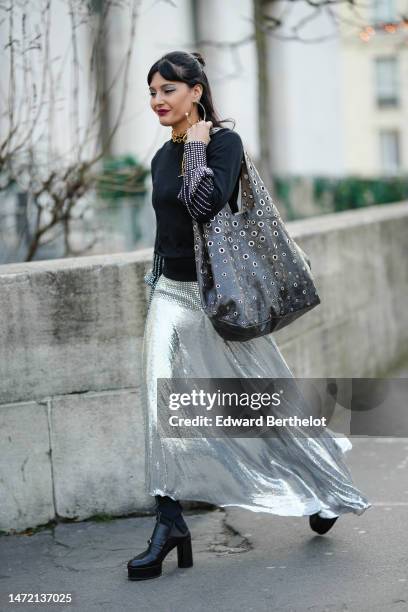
(72, 432)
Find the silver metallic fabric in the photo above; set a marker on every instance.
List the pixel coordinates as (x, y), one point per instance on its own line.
(285, 475)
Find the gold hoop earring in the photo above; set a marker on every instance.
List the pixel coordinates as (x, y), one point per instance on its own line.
(202, 106)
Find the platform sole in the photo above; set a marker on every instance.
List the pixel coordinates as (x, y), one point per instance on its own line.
(145, 573)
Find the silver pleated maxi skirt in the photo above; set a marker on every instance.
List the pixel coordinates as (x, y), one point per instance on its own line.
(266, 474)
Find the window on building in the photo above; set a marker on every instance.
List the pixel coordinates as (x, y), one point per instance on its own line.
(386, 81)
(390, 151)
(384, 11)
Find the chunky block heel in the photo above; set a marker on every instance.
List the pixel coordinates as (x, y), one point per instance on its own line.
(185, 553)
(166, 536)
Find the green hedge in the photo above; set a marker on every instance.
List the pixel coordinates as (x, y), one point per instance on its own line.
(356, 192)
(121, 177)
(337, 194)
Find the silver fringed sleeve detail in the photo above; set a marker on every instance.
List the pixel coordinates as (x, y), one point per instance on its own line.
(197, 181)
(153, 275)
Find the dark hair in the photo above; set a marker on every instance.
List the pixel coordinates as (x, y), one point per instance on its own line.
(188, 68)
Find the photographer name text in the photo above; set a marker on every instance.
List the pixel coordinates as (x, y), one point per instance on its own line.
(260, 421)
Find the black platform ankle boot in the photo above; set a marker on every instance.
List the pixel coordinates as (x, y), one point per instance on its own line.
(167, 534)
(320, 524)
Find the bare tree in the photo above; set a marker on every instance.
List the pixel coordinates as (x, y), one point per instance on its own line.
(54, 181)
(54, 184)
(270, 19)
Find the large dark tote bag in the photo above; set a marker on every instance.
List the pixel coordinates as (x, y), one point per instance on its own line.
(253, 278)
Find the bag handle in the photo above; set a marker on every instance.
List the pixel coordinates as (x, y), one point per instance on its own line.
(242, 187)
(245, 186)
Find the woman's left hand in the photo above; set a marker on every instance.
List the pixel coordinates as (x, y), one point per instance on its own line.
(200, 131)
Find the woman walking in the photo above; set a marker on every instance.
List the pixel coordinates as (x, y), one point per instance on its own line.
(195, 174)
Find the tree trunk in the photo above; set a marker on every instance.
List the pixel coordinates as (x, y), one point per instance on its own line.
(264, 106)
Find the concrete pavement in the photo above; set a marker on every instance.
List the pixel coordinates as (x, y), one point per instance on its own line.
(242, 560)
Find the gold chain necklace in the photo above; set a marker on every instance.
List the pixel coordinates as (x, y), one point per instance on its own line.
(179, 138)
